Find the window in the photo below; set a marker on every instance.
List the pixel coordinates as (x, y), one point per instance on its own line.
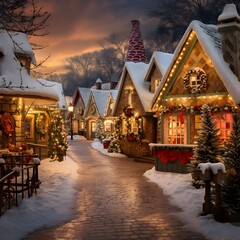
(29, 127)
(224, 124)
(175, 130)
(129, 126)
(195, 82)
(93, 126)
(197, 122)
(82, 125)
(108, 126)
(134, 126)
(124, 126)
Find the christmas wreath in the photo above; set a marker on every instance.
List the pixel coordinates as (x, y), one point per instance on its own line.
(201, 78)
(40, 128)
(129, 111)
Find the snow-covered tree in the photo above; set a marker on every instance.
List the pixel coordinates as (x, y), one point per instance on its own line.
(114, 146)
(57, 143)
(231, 184)
(208, 145)
(100, 130)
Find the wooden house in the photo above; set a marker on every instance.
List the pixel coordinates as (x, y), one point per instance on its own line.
(98, 113)
(79, 101)
(137, 86)
(204, 70)
(21, 97)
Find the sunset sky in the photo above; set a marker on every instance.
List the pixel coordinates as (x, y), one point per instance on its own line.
(76, 26)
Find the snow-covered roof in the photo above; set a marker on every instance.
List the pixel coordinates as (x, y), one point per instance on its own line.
(162, 61)
(59, 89)
(211, 42)
(62, 101)
(104, 86)
(83, 94)
(137, 71)
(20, 44)
(68, 100)
(100, 98)
(99, 80)
(15, 80)
(114, 94)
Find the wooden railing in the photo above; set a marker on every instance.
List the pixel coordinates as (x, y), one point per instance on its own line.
(18, 180)
(40, 149)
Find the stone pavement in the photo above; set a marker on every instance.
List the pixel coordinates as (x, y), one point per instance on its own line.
(116, 201)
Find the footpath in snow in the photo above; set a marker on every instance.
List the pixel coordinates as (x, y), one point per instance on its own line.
(46, 208)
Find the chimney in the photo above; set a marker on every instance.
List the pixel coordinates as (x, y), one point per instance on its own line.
(229, 27)
(99, 84)
(136, 51)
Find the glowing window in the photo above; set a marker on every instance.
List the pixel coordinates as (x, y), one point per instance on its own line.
(176, 131)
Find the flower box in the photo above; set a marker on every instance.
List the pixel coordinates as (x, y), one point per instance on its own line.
(106, 143)
(131, 137)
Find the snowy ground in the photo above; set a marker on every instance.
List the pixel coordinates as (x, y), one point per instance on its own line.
(31, 214)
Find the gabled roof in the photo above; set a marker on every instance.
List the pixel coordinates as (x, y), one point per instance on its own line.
(15, 80)
(137, 71)
(111, 98)
(100, 98)
(162, 61)
(211, 42)
(114, 93)
(68, 100)
(81, 93)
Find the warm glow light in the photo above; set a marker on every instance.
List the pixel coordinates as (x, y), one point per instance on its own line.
(70, 108)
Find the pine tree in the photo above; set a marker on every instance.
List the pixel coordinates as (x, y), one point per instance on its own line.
(208, 145)
(114, 146)
(208, 148)
(57, 144)
(100, 130)
(231, 184)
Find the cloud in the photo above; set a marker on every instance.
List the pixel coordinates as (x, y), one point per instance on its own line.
(77, 26)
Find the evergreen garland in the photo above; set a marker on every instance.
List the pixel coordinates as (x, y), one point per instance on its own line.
(57, 144)
(231, 184)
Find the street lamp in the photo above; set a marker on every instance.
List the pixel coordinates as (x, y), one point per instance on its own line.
(70, 110)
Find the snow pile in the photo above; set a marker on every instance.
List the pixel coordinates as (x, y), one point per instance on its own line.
(53, 204)
(214, 167)
(182, 194)
(99, 146)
